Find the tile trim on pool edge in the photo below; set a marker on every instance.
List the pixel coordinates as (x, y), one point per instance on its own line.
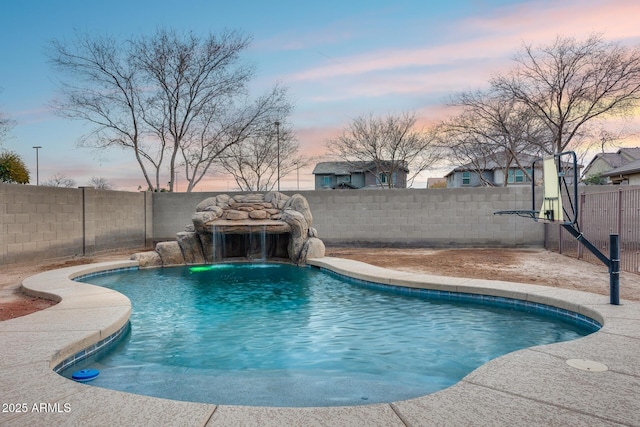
(92, 349)
(103, 272)
(105, 343)
(499, 301)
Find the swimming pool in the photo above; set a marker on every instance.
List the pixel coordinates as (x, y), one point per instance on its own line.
(279, 335)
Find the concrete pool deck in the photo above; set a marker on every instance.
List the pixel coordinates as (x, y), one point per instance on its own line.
(533, 386)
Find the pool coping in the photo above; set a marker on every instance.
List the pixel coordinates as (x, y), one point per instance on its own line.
(533, 385)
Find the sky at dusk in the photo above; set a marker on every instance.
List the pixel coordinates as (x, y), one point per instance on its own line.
(339, 59)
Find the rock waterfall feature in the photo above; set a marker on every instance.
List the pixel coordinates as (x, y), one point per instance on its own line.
(247, 226)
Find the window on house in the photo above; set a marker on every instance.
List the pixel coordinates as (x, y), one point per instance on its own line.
(517, 176)
(466, 178)
(326, 181)
(383, 178)
(394, 179)
(344, 178)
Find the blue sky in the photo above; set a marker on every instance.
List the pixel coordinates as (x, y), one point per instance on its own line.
(339, 59)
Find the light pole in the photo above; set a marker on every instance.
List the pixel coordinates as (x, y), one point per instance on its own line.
(278, 145)
(37, 147)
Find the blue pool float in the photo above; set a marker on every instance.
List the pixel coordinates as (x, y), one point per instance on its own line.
(85, 375)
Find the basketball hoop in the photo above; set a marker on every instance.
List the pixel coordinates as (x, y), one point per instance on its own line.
(560, 206)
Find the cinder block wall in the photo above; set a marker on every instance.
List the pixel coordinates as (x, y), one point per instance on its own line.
(411, 217)
(116, 219)
(48, 222)
(425, 217)
(36, 223)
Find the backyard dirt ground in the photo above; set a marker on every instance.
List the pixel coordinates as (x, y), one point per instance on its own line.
(535, 266)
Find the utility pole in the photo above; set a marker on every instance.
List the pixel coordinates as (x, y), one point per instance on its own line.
(37, 147)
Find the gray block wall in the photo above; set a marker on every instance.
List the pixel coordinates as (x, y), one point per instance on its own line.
(35, 223)
(402, 217)
(48, 222)
(425, 217)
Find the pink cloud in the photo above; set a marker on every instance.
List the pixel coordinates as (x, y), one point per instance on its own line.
(498, 36)
(313, 139)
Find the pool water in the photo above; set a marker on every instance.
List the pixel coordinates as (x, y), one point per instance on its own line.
(281, 335)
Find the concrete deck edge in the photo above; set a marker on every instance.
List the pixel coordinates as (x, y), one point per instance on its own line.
(481, 396)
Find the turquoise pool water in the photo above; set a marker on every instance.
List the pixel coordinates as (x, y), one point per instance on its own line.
(280, 335)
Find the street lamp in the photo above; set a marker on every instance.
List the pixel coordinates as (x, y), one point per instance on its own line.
(37, 147)
(278, 142)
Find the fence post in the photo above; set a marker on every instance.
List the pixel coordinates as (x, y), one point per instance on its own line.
(619, 218)
(581, 204)
(84, 222)
(560, 239)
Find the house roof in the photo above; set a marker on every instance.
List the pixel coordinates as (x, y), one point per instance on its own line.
(345, 168)
(526, 161)
(615, 160)
(495, 163)
(633, 152)
(628, 169)
(332, 168)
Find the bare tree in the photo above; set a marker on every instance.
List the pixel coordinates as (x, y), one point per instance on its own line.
(391, 143)
(101, 183)
(493, 130)
(102, 86)
(571, 83)
(253, 163)
(219, 135)
(60, 180)
(165, 96)
(195, 81)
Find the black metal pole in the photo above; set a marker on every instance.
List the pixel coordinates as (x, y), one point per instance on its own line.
(614, 269)
(278, 143)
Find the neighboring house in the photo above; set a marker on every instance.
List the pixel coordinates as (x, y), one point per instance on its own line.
(627, 174)
(603, 163)
(332, 175)
(491, 173)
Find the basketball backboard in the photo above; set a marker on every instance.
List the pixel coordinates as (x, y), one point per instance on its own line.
(556, 176)
(559, 188)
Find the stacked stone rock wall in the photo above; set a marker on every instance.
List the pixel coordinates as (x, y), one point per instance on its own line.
(273, 211)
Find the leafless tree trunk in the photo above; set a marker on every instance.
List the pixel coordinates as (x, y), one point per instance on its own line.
(391, 143)
(196, 82)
